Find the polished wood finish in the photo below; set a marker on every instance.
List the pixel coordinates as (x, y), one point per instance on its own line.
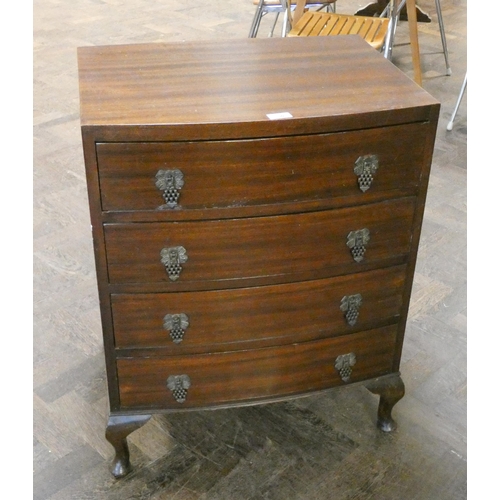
(372, 239)
(257, 316)
(260, 248)
(229, 174)
(254, 375)
(142, 108)
(117, 430)
(390, 389)
(321, 446)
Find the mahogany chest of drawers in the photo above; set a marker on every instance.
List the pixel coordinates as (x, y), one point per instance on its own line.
(256, 206)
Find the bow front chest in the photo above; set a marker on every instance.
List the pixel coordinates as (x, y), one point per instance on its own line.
(256, 207)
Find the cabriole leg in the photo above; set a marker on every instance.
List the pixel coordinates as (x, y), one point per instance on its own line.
(390, 389)
(117, 430)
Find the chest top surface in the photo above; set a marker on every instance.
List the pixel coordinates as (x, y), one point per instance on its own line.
(333, 83)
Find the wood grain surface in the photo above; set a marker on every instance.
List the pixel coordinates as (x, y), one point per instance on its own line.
(260, 247)
(231, 174)
(150, 85)
(252, 317)
(322, 447)
(252, 375)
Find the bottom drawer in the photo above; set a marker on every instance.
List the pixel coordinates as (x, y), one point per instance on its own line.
(176, 382)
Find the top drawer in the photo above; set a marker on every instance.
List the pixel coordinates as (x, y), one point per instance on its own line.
(238, 173)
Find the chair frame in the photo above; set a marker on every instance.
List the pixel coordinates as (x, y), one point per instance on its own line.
(393, 25)
(457, 105)
(282, 8)
(392, 11)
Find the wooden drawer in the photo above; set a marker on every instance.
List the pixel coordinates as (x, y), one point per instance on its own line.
(210, 321)
(241, 376)
(314, 243)
(218, 174)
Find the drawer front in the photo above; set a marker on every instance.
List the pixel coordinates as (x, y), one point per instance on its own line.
(245, 376)
(253, 317)
(318, 243)
(135, 176)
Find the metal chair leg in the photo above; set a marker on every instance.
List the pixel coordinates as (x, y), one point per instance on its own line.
(393, 16)
(256, 20)
(389, 39)
(271, 33)
(457, 105)
(388, 50)
(443, 36)
(286, 24)
(287, 17)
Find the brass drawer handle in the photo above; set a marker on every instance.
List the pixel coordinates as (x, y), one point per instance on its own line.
(365, 168)
(179, 385)
(170, 182)
(344, 364)
(177, 325)
(357, 241)
(172, 258)
(350, 305)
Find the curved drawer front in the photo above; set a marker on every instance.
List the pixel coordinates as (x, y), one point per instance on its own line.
(319, 243)
(270, 315)
(200, 175)
(239, 376)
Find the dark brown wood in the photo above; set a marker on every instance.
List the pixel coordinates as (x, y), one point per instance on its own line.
(232, 173)
(264, 217)
(390, 389)
(172, 95)
(258, 316)
(319, 447)
(260, 247)
(253, 375)
(376, 9)
(117, 430)
(101, 263)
